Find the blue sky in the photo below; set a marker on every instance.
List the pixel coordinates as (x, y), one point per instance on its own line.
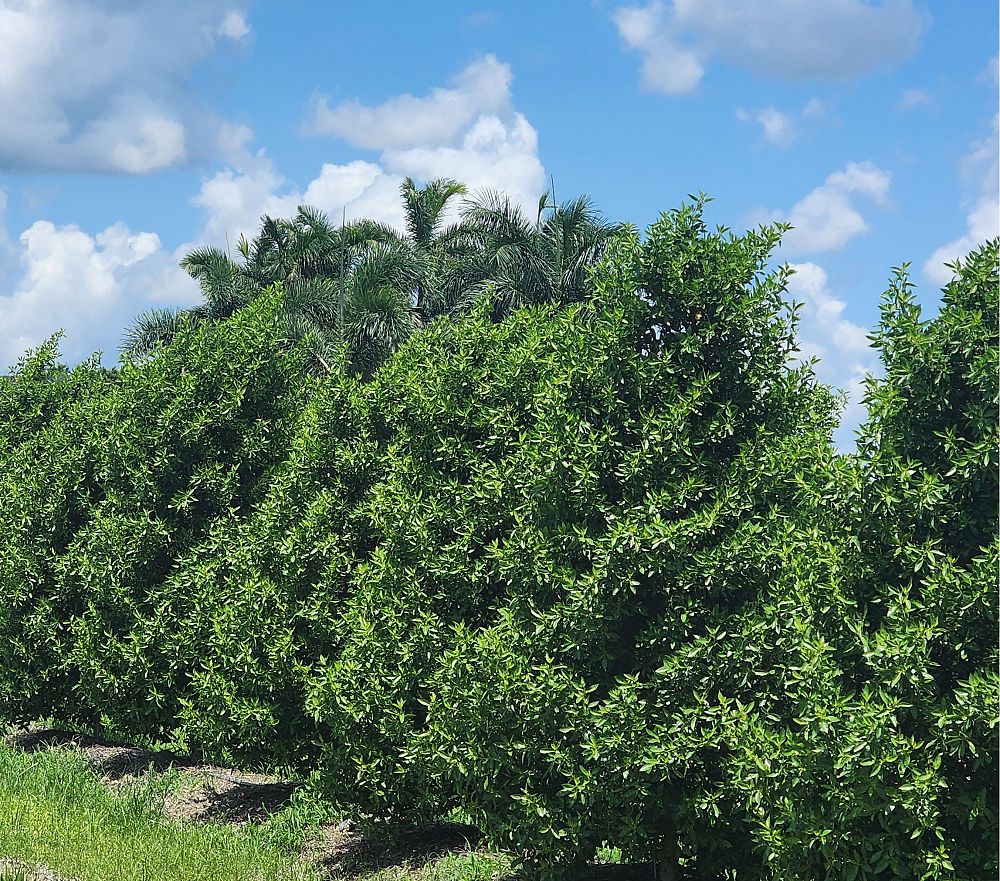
(134, 130)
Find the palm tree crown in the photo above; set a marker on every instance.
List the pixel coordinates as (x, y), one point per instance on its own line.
(367, 286)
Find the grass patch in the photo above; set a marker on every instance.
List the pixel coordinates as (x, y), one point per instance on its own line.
(451, 867)
(56, 812)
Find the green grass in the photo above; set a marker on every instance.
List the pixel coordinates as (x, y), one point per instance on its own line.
(54, 811)
(452, 867)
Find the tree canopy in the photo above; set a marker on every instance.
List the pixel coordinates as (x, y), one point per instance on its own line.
(367, 287)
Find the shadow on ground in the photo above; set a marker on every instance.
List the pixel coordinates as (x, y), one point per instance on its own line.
(347, 856)
(208, 792)
(111, 760)
(212, 793)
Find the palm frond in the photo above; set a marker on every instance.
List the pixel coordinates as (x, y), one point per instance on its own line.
(378, 321)
(153, 329)
(425, 207)
(206, 262)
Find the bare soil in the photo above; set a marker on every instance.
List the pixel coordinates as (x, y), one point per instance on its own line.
(27, 871)
(211, 793)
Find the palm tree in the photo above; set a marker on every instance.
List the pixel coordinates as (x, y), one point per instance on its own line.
(366, 286)
(433, 244)
(518, 262)
(225, 288)
(314, 261)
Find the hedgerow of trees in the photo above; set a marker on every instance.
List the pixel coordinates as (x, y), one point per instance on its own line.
(578, 558)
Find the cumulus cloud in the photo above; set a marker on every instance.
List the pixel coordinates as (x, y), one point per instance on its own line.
(983, 219)
(90, 285)
(493, 154)
(666, 65)
(468, 130)
(842, 347)
(234, 199)
(776, 127)
(98, 85)
(787, 39)
(406, 121)
(490, 156)
(827, 218)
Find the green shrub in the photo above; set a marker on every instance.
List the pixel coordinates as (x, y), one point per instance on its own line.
(587, 516)
(928, 505)
(115, 484)
(592, 574)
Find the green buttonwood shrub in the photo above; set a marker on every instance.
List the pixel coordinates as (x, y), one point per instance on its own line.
(592, 574)
(121, 475)
(927, 510)
(890, 768)
(44, 498)
(258, 603)
(657, 611)
(597, 562)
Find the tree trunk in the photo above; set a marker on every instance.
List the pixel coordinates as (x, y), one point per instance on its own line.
(667, 868)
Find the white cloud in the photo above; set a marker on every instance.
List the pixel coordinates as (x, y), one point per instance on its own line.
(234, 199)
(138, 143)
(814, 109)
(777, 127)
(827, 218)
(842, 347)
(234, 25)
(406, 121)
(983, 219)
(98, 85)
(822, 316)
(494, 154)
(788, 39)
(780, 128)
(914, 98)
(469, 131)
(666, 65)
(89, 285)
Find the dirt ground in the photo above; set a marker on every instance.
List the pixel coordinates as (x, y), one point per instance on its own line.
(210, 793)
(27, 871)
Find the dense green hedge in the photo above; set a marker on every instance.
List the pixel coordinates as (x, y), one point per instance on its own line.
(591, 574)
